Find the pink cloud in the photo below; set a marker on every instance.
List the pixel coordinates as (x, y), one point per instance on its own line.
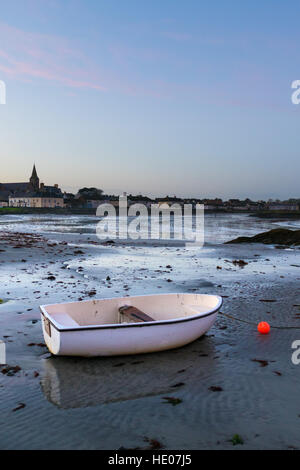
(28, 57)
(25, 55)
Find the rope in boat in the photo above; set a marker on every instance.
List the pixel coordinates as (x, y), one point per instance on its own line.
(254, 324)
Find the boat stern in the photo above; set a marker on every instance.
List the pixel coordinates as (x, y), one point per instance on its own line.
(51, 334)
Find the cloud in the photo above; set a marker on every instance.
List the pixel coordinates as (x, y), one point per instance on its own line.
(136, 69)
(30, 56)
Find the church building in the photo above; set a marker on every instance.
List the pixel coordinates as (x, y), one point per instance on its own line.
(31, 194)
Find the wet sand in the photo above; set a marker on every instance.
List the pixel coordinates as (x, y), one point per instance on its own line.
(109, 403)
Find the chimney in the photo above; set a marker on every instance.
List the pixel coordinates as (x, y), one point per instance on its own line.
(42, 186)
(56, 186)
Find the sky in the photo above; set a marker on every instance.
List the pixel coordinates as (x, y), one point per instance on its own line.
(156, 97)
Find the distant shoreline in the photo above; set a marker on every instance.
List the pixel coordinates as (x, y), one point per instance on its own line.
(92, 211)
(276, 214)
(46, 210)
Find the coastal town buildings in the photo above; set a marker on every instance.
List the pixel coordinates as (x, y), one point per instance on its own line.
(31, 194)
(283, 206)
(38, 199)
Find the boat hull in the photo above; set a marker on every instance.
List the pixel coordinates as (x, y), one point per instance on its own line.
(126, 339)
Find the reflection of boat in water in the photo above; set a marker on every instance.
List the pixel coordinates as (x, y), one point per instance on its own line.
(102, 327)
(81, 382)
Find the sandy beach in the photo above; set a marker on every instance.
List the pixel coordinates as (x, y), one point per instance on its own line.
(232, 381)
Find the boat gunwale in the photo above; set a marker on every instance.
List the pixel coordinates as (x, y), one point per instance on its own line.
(62, 328)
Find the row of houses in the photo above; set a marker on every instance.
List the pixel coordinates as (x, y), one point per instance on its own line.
(235, 205)
(213, 205)
(48, 200)
(36, 200)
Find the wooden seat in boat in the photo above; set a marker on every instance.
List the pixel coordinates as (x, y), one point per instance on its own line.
(134, 314)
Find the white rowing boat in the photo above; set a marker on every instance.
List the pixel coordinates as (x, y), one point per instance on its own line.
(127, 325)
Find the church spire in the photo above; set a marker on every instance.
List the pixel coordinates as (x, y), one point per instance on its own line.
(34, 180)
(34, 173)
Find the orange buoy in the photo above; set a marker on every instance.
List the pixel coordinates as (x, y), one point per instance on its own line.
(263, 327)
